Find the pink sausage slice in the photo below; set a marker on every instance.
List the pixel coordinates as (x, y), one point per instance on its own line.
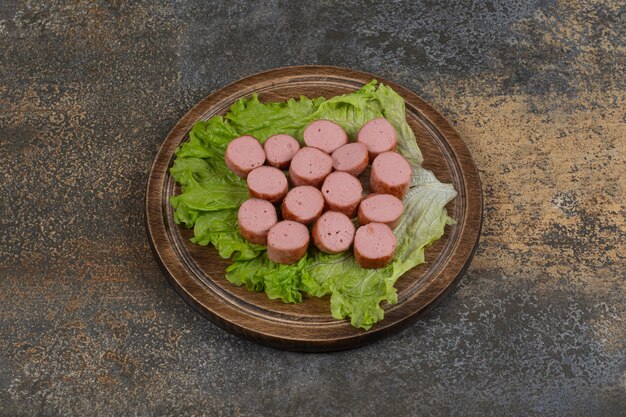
(310, 166)
(342, 193)
(333, 232)
(325, 135)
(287, 242)
(243, 155)
(351, 158)
(279, 149)
(303, 204)
(380, 208)
(379, 136)
(256, 218)
(374, 245)
(267, 183)
(391, 174)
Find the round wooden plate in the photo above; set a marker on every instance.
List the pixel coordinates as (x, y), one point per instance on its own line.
(197, 273)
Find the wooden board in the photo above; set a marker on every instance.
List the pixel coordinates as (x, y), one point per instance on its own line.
(197, 273)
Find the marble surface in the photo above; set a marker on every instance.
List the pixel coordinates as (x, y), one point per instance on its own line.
(89, 325)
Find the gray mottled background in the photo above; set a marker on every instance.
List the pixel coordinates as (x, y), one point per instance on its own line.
(88, 324)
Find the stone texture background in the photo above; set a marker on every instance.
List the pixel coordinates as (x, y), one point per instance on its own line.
(89, 326)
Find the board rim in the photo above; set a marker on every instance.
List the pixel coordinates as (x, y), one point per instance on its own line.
(250, 327)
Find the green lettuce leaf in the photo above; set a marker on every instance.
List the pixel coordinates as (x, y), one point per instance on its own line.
(351, 111)
(278, 281)
(207, 186)
(211, 195)
(220, 229)
(208, 139)
(262, 120)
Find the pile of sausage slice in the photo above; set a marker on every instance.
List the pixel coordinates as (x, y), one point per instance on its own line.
(325, 191)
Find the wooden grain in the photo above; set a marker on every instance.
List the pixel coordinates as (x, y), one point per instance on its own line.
(197, 273)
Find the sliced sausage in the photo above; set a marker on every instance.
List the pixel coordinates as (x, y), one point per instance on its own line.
(256, 218)
(374, 245)
(351, 158)
(243, 155)
(391, 174)
(287, 242)
(279, 149)
(267, 183)
(310, 166)
(325, 135)
(333, 232)
(342, 193)
(379, 136)
(380, 208)
(303, 204)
